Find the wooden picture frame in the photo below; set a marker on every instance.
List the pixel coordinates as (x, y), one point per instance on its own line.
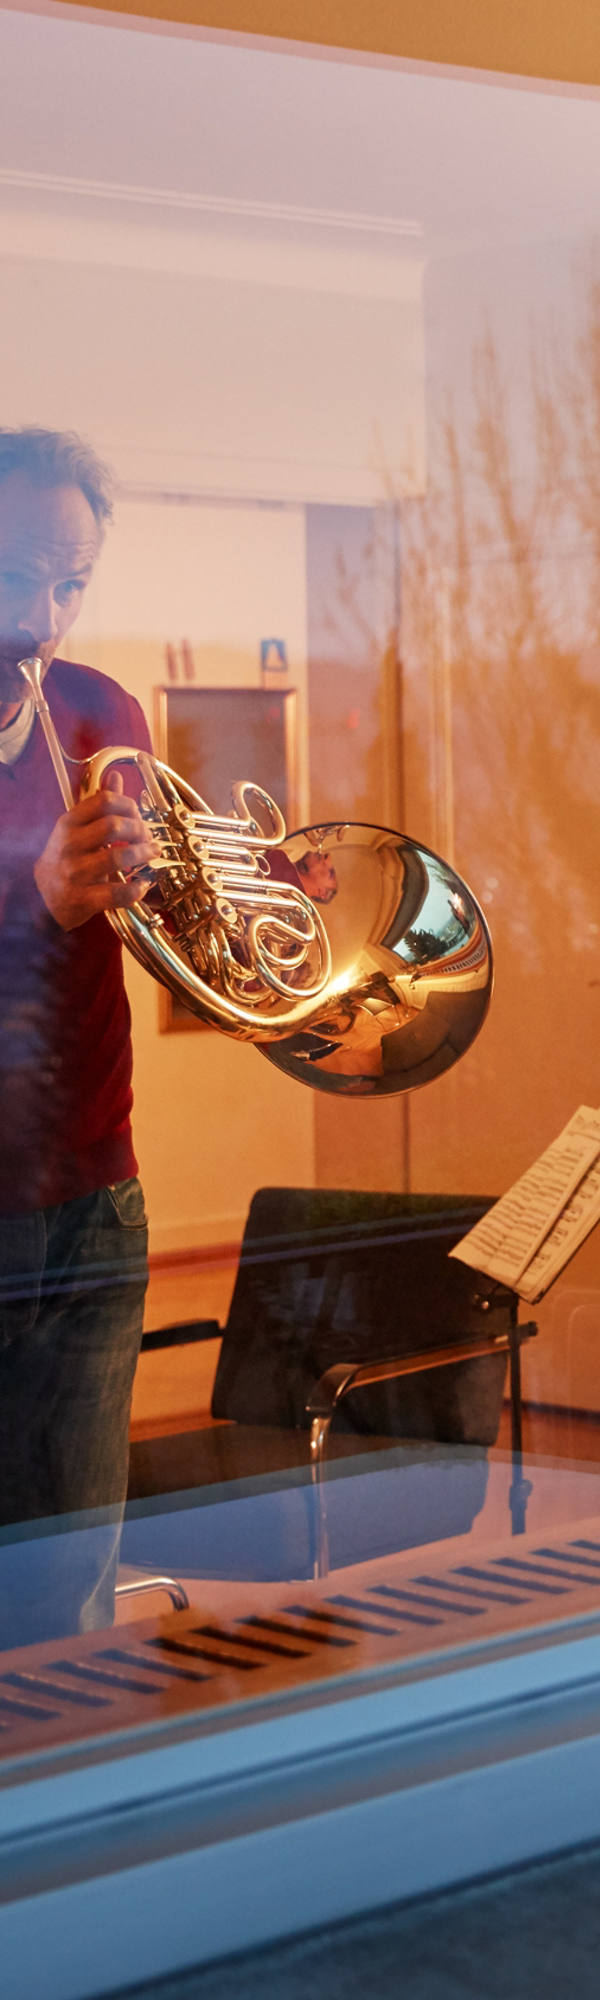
(213, 736)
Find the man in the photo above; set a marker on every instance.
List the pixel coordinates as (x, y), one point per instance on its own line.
(72, 1222)
(317, 875)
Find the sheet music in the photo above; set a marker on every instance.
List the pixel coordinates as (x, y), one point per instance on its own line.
(529, 1235)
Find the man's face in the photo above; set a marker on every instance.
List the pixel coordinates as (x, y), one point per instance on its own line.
(318, 876)
(49, 542)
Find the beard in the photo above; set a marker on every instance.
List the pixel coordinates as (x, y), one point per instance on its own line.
(13, 687)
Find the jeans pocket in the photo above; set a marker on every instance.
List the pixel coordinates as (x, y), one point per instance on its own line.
(127, 1200)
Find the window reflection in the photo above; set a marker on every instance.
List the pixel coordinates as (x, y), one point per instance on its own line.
(358, 410)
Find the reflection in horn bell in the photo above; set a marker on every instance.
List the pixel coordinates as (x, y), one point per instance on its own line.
(411, 971)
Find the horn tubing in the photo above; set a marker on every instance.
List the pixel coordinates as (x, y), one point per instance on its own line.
(32, 674)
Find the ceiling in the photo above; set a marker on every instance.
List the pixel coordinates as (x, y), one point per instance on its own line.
(240, 127)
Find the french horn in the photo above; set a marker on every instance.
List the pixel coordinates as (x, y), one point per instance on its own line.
(383, 995)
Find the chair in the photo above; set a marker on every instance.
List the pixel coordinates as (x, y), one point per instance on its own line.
(373, 1300)
(138, 1586)
(347, 1320)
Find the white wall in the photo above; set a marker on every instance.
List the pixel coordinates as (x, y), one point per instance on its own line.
(280, 376)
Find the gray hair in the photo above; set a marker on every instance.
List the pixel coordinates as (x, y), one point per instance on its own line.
(59, 458)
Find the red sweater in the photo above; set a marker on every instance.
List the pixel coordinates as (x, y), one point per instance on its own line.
(65, 1046)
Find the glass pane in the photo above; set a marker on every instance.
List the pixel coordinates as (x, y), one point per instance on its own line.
(334, 329)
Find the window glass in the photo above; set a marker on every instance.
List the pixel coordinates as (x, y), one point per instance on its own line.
(298, 483)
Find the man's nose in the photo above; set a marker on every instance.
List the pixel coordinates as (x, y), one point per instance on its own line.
(40, 616)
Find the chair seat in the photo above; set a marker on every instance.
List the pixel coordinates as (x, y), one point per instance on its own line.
(251, 1509)
(221, 1452)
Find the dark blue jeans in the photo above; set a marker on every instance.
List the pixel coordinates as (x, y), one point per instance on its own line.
(72, 1285)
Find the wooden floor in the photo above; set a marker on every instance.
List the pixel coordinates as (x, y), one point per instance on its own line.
(200, 1287)
(173, 1385)
(560, 1434)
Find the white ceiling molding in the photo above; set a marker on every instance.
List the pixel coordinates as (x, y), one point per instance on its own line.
(192, 202)
(60, 217)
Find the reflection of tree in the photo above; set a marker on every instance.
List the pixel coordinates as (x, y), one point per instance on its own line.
(424, 945)
(354, 678)
(499, 568)
(500, 581)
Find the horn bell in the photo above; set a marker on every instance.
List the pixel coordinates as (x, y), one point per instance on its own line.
(412, 967)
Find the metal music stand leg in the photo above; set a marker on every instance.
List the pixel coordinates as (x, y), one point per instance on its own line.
(520, 1488)
(319, 1433)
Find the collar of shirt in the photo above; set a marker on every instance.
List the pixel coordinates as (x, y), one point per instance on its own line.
(14, 738)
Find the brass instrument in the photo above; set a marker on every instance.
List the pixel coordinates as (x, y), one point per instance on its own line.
(384, 996)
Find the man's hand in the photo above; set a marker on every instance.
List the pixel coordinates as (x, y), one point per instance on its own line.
(98, 839)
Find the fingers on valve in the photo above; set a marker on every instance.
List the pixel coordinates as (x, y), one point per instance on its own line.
(123, 895)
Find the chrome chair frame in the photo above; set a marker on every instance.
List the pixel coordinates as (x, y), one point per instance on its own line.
(343, 1377)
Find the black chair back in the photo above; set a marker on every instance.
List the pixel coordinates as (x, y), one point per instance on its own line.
(330, 1275)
